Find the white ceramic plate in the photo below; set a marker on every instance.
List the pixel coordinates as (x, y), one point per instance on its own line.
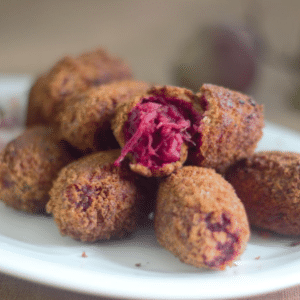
(138, 268)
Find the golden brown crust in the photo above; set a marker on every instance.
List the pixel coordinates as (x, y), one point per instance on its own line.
(68, 77)
(85, 120)
(268, 183)
(28, 166)
(231, 127)
(121, 117)
(93, 200)
(200, 219)
(163, 171)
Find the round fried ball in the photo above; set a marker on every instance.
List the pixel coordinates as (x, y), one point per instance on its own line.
(93, 200)
(85, 120)
(268, 183)
(68, 77)
(28, 166)
(200, 219)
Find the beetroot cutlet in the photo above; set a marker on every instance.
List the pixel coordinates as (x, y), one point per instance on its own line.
(28, 166)
(164, 126)
(268, 183)
(85, 120)
(93, 200)
(200, 219)
(71, 76)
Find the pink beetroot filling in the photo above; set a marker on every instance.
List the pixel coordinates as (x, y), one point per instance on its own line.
(227, 252)
(156, 129)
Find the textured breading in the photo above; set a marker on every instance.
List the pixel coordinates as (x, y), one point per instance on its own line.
(200, 219)
(85, 120)
(28, 166)
(68, 77)
(268, 183)
(93, 200)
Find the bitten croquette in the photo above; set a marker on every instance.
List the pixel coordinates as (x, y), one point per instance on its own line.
(169, 126)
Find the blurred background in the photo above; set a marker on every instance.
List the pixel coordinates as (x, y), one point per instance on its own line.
(248, 45)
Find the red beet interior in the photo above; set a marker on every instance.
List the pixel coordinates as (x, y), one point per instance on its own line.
(227, 248)
(156, 129)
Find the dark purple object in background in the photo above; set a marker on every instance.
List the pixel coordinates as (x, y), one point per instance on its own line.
(222, 54)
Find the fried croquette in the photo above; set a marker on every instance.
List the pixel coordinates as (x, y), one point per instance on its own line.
(200, 219)
(28, 166)
(68, 77)
(85, 120)
(268, 183)
(93, 200)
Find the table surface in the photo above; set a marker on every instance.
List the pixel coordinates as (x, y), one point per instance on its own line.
(35, 34)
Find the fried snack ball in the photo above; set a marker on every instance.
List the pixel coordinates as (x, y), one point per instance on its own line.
(68, 77)
(200, 219)
(160, 129)
(85, 120)
(28, 166)
(232, 125)
(93, 200)
(268, 183)
(155, 129)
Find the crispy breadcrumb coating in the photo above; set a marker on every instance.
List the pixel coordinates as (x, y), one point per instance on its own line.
(200, 219)
(28, 166)
(68, 77)
(268, 183)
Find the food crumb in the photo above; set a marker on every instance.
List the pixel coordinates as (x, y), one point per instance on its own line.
(84, 254)
(257, 257)
(138, 264)
(151, 216)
